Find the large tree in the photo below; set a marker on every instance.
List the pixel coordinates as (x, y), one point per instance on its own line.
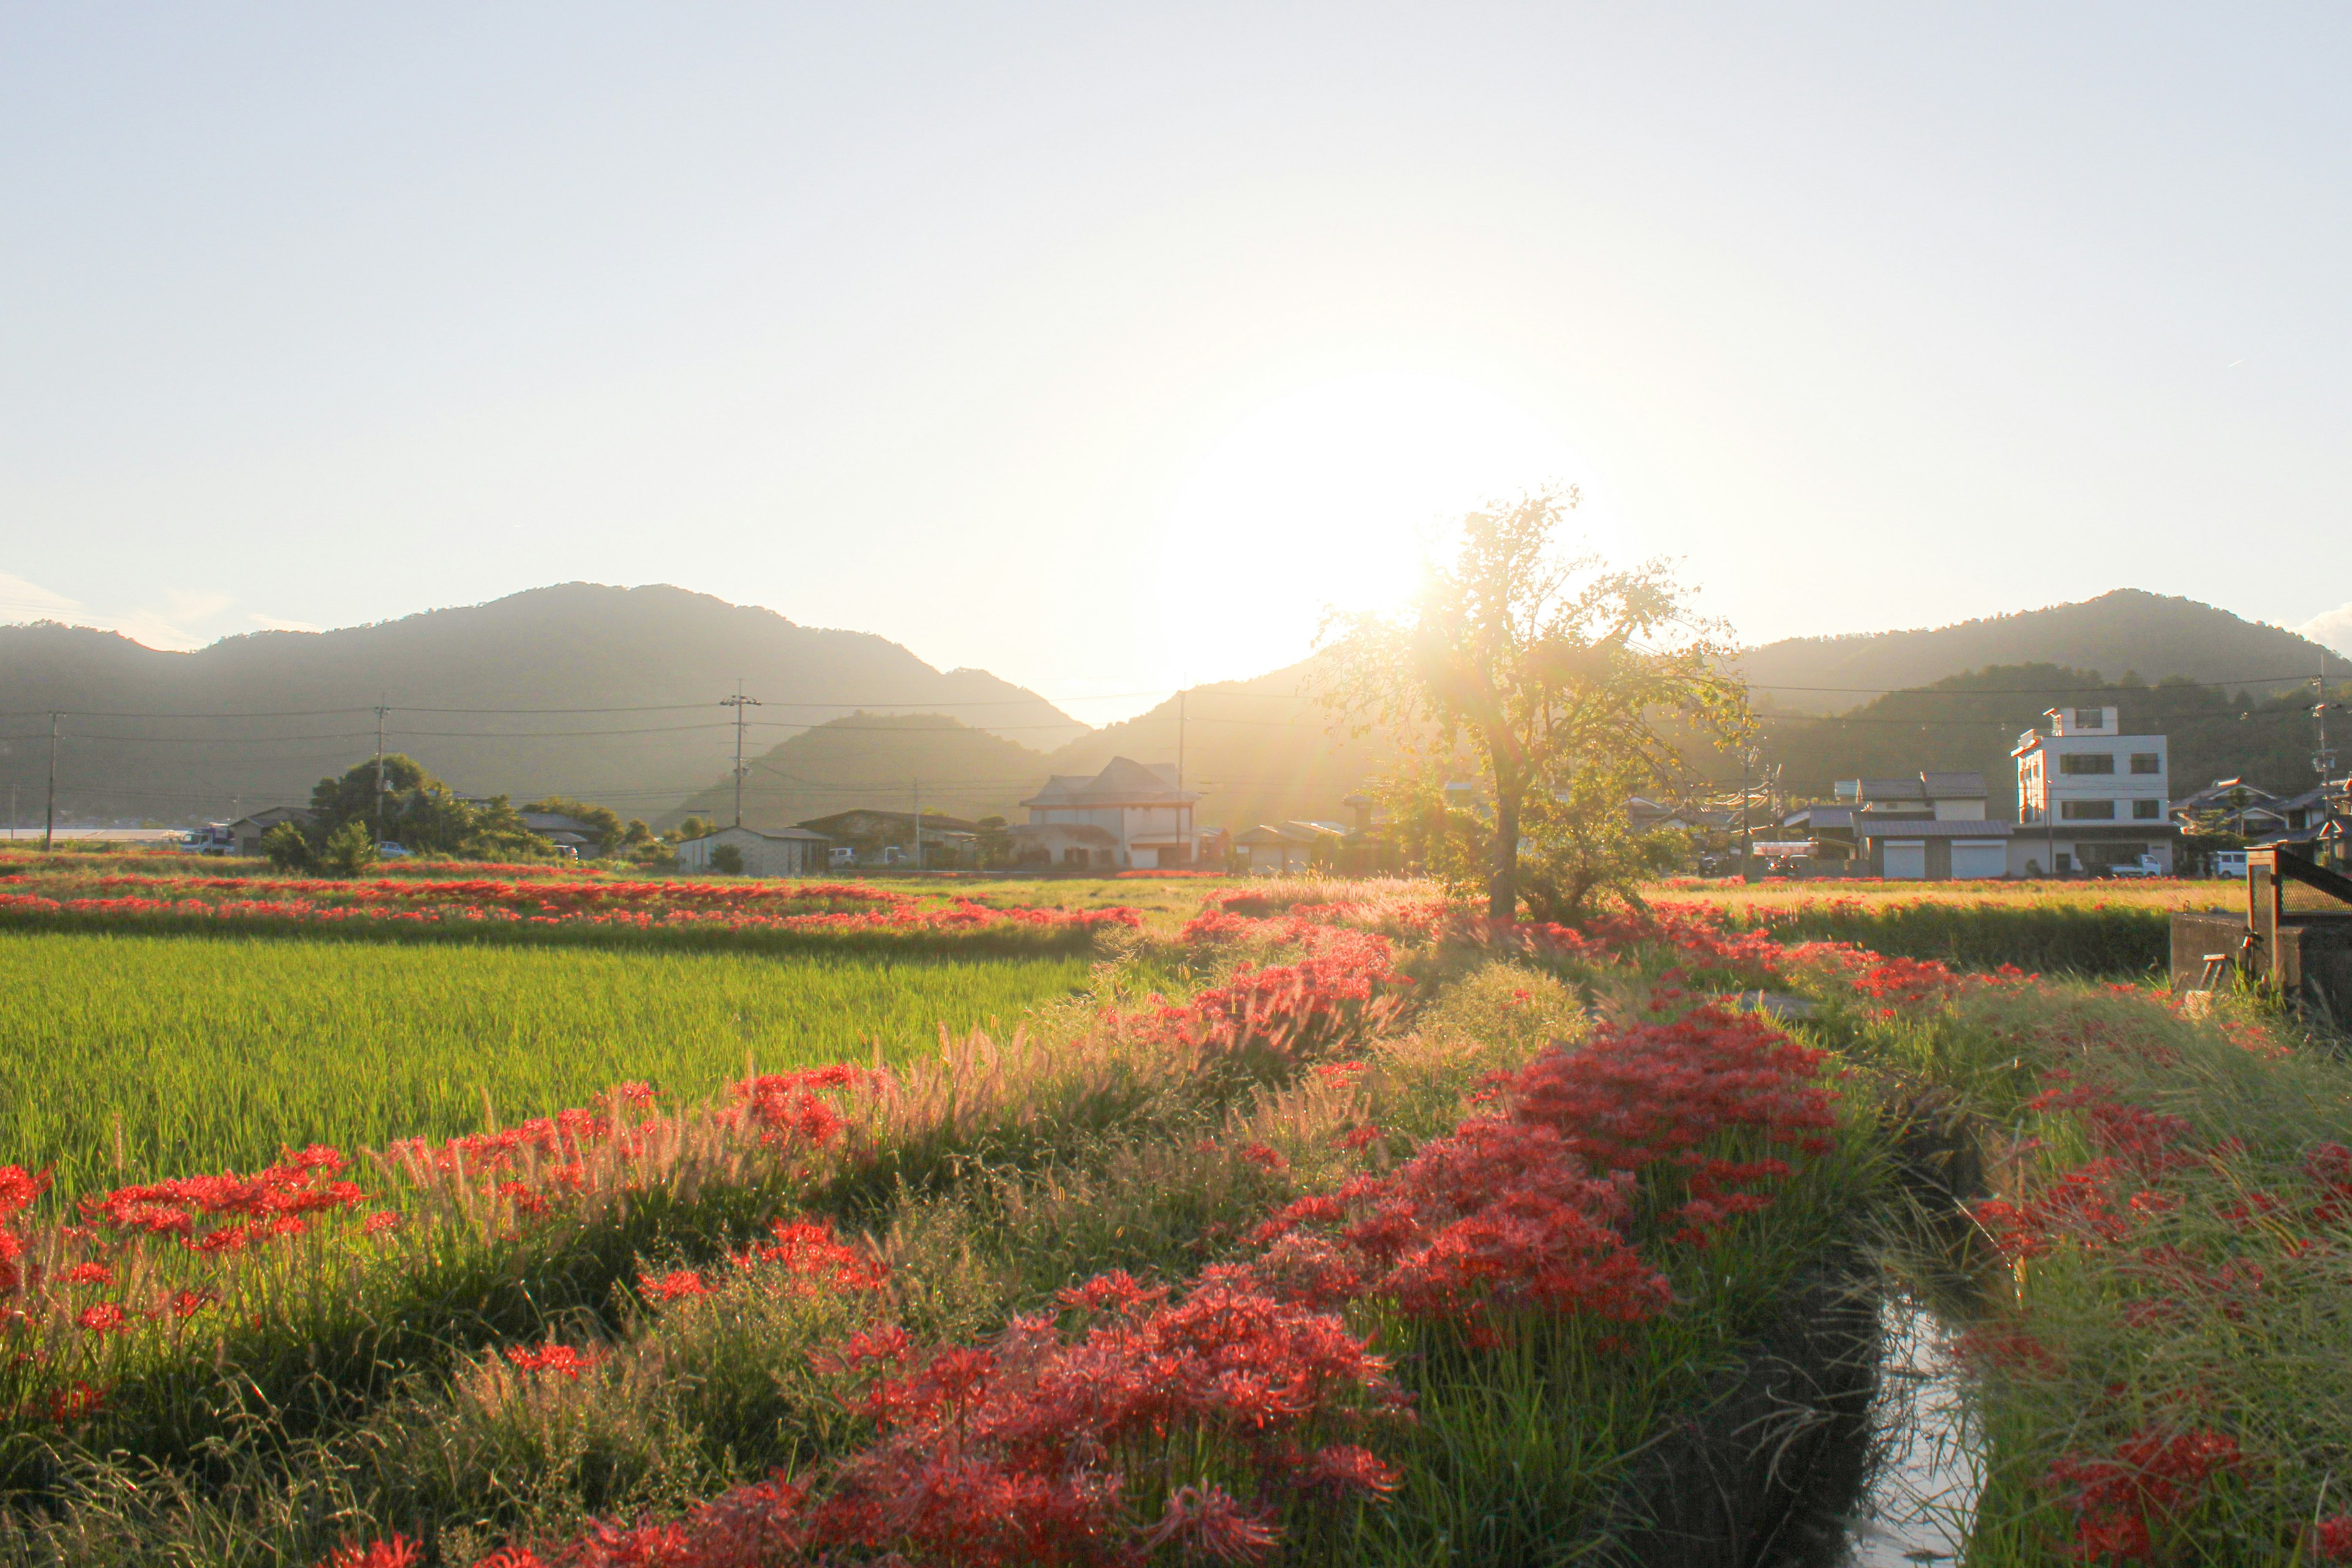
(1563, 681)
(421, 813)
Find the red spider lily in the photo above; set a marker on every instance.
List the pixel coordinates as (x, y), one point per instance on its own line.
(1637, 1095)
(2121, 1504)
(299, 1183)
(399, 1551)
(785, 1106)
(1117, 1291)
(808, 1251)
(106, 1318)
(19, 1188)
(1206, 1520)
(1265, 1157)
(676, 1285)
(568, 1360)
(88, 1274)
(2330, 1540)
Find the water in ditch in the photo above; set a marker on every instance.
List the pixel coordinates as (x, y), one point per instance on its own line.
(1902, 1490)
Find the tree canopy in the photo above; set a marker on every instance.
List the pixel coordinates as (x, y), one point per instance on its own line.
(420, 812)
(1562, 683)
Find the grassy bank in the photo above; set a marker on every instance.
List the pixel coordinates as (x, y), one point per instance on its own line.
(213, 1052)
(602, 1328)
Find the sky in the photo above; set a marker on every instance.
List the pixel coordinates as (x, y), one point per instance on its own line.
(1108, 347)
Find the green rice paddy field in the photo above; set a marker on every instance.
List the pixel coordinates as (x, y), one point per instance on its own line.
(211, 1053)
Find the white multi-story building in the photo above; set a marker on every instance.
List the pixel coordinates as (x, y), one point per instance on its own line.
(2090, 796)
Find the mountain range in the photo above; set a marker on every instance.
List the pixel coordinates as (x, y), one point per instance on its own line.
(611, 694)
(614, 695)
(2127, 632)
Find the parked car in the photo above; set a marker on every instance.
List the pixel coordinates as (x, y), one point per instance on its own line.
(391, 851)
(2146, 865)
(2229, 863)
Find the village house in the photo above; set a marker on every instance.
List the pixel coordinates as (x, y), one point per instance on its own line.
(2234, 807)
(1930, 826)
(2090, 796)
(888, 838)
(1276, 849)
(1143, 818)
(766, 851)
(245, 832)
(566, 833)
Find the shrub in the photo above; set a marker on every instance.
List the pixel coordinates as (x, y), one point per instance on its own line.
(286, 847)
(349, 851)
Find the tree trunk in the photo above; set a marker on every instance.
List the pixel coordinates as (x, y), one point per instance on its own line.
(1503, 884)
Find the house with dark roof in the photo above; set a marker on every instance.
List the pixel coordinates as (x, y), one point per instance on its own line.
(890, 838)
(1143, 813)
(2235, 806)
(1930, 826)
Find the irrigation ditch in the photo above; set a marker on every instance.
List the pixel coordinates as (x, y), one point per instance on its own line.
(1844, 1437)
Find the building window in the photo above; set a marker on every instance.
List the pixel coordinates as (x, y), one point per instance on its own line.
(2090, 718)
(2148, 763)
(2146, 810)
(2086, 810)
(2087, 763)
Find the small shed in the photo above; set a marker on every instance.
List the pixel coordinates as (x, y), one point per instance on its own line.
(1278, 848)
(766, 851)
(247, 831)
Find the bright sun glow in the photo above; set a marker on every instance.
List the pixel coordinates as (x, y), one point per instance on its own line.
(1330, 496)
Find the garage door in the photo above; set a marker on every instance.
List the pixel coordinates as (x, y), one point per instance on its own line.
(1985, 858)
(1907, 858)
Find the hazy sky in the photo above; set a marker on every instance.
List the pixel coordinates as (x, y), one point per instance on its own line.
(1102, 346)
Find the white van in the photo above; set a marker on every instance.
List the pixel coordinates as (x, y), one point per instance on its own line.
(2229, 863)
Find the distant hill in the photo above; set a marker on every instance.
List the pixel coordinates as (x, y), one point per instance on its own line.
(2127, 632)
(1259, 750)
(647, 665)
(882, 760)
(1972, 720)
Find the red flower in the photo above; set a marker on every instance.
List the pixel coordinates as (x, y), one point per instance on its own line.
(673, 1286)
(397, 1552)
(565, 1359)
(106, 1318)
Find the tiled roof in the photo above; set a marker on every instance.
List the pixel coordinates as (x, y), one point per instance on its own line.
(1122, 782)
(1955, 786)
(1931, 827)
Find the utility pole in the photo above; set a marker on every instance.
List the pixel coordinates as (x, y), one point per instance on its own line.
(739, 702)
(380, 711)
(1183, 815)
(918, 824)
(49, 822)
(1748, 759)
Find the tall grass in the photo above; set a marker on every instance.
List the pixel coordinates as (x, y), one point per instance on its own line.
(183, 1054)
(2047, 936)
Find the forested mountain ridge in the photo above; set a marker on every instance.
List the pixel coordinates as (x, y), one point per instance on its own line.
(2127, 632)
(600, 693)
(1973, 721)
(886, 761)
